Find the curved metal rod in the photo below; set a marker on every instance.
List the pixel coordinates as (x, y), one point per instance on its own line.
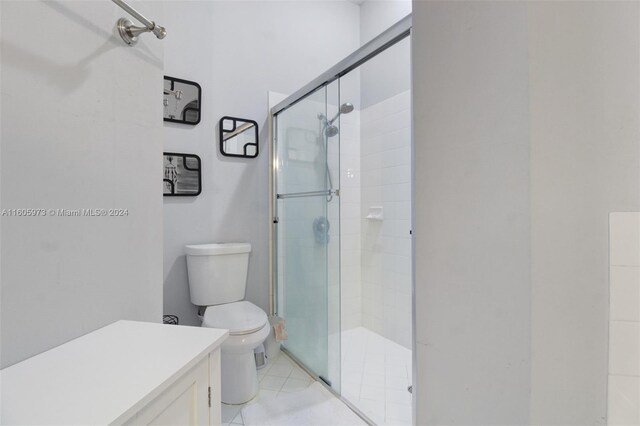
(129, 32)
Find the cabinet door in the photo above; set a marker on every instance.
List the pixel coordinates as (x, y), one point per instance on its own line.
(215, 377)
(186, 402)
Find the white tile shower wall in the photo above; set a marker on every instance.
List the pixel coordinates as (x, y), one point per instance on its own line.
(624, 319)
(350, 253)
(385, 151)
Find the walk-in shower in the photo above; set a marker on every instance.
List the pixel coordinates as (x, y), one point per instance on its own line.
(341, 255)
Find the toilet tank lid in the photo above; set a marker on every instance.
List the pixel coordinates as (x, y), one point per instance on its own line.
(217, 248)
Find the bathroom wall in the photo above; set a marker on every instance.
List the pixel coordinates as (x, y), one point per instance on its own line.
(472, 214)
(386, 173)
(527, 137)
(585, 164)
(377, 88)
(377, 16)
(384, 78)
(386, 243)
(81, 128)
(238, 51)
(623, 406)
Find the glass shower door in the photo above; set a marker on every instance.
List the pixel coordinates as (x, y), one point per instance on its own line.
(307, 237)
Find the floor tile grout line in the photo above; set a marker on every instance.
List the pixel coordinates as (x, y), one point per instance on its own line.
(369, 347)
(371, 344)
(277, 392)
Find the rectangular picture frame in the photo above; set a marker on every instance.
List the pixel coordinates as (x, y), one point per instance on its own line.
(173, 83)
(182, 175)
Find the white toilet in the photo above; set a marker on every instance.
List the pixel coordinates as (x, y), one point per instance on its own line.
(217, 280)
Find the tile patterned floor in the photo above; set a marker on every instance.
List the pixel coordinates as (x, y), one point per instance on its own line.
(279, 377)
(375, 375)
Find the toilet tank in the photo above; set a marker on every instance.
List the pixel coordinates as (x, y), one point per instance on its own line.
(217, 272)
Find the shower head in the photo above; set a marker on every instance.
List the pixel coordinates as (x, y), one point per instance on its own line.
(330, 129)
(345, 108)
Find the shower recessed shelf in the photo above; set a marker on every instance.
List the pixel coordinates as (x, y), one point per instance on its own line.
(375, 213)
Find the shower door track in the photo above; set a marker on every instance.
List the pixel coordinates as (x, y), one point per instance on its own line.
(388, 38)
(327, 193)
(320, 380)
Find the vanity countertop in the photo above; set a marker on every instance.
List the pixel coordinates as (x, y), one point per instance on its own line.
(103, 377)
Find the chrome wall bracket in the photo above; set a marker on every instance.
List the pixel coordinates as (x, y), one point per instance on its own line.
(129, 32)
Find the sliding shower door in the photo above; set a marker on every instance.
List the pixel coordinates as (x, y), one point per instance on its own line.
(307, 234)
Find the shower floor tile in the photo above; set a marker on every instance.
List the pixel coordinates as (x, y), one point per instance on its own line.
(375, 375)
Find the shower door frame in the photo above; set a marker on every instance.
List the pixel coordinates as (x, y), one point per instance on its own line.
(394, 34)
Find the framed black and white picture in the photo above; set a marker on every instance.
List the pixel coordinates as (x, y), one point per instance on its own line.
(182, 101)
(182, 174)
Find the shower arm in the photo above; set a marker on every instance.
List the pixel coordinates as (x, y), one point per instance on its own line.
(130, 32)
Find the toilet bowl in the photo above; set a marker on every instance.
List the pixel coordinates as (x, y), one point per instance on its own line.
(248, 327)
(217, 280)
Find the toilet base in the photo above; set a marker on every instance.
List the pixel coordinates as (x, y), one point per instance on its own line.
(238, 365)
(239, 377)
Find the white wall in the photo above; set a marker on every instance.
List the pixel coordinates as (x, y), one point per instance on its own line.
(471, 213)
(81, 128)
(527, 137)
(585, 163)
(623, 394)
(378, 15)
(385, 75)
(238, 51)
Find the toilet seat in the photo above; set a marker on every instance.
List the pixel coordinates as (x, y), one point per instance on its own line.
(238, 317)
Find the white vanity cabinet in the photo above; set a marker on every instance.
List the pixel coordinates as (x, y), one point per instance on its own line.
(128, 372)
